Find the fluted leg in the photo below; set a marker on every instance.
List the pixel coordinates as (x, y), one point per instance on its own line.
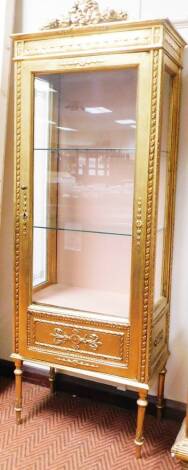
(160, 393)
(52, 379)
(18, 380)
(142, 403)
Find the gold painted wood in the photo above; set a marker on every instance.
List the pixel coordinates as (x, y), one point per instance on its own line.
(94, 345)
(160, 393)
(159, 337)
(140, 36)
(52, 198)
(134, 351)
(142, 404)
(18, 380)
(52, 379)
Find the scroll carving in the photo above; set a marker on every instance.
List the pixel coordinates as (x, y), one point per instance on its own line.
(86, 12)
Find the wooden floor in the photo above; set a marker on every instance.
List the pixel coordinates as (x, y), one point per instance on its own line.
(65, 432)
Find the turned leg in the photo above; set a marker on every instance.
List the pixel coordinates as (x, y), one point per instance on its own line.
(160, 393)
(52, 379)
(18, 379)
(142, 403)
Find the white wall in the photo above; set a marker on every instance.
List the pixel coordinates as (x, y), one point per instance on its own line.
(42, 10)
(32, 14)
(6, 25)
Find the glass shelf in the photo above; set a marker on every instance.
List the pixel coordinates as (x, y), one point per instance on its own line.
(89, 149)
(98, 232)
(68, 229)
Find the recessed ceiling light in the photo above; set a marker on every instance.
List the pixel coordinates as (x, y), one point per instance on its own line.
(97, 110)
(67, 129)
(125, 121)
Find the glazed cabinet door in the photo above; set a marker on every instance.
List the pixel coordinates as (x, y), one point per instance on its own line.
(83, 179)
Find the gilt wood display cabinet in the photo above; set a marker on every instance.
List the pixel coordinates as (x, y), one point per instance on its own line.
(96, 135)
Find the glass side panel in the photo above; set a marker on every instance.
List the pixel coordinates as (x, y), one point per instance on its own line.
(84, 163)
(41, 134)
(163, 177)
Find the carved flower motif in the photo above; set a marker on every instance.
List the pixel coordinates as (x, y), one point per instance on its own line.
(76, 338)
(85, 12)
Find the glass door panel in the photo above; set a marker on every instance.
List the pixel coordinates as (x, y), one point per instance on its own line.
(84, 164)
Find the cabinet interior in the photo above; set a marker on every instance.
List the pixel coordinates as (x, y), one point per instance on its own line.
(84, 167)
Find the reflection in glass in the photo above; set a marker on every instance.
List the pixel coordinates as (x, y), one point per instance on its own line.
(84, 162)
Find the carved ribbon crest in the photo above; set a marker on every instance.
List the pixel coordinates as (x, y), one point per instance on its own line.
(76, 339)
(86, 12)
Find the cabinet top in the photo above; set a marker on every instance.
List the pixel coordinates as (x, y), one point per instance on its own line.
(130, 36)
(163, 23)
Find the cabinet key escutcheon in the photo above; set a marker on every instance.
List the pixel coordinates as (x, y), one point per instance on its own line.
(24, 215)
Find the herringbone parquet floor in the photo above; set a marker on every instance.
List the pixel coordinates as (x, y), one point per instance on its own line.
(62, 432)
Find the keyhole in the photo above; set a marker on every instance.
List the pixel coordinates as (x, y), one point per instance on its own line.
(25, 216)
